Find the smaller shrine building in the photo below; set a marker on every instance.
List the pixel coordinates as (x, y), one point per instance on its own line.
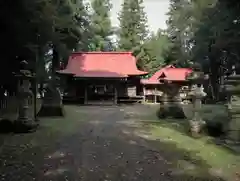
(155, 86)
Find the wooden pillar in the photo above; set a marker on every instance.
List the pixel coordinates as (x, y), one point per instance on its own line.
(155, 95)
(144, 94)
(115, 95)
(85, 95)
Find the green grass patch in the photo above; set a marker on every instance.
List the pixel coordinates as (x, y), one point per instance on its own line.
(174, 132)
(215, 156)
(68, 124)
(50, 131)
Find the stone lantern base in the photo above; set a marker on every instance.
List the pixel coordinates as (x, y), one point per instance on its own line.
(171, 110)
(23, 126)
(171, 102)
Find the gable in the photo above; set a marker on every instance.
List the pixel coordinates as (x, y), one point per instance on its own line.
(162, 76)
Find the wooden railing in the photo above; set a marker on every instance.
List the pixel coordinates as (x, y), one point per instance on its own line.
(9, 106)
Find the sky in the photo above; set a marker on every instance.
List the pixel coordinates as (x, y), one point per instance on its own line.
(156, 12)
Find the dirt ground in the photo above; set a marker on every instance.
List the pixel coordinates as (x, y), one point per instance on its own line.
(95, 143)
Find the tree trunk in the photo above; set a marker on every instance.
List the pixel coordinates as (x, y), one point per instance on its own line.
(55, 60)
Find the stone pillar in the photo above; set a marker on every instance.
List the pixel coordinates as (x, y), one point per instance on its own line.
(196, 123)
(196, 79)
(25, 121)
(25, 94)
(233, 106)
(52, 101)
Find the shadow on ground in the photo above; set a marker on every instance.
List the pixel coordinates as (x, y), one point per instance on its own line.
(95, 158)
(215, 116)
(103, 147)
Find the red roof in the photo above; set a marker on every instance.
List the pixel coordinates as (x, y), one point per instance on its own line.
(168, 73)
(102, 64)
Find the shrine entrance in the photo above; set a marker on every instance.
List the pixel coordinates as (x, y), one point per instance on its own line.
(99, 91)
(100, 94)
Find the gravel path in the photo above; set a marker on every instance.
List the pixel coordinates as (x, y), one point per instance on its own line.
(105, 147)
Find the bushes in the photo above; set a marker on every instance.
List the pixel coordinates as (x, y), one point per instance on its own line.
(216, 117)
(171, 111)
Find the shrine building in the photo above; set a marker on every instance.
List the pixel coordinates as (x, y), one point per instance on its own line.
(105, 76)
(169, 80)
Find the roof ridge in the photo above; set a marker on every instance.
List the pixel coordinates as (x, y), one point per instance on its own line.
(99, 52)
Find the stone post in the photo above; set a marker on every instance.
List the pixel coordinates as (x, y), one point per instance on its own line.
(196, 79)
(196, 123)
(52, 101)
(25, 121)
(232, 88)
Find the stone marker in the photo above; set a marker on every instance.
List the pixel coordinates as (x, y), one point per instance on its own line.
(52, 101)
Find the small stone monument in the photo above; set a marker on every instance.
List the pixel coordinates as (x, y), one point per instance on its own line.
(52, 100)
(26, 121)
(197, 93)
(232, 88)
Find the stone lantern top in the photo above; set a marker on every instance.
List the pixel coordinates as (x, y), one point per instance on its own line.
(197, 92)
(232, 84)
(24, 73)
(196, 79)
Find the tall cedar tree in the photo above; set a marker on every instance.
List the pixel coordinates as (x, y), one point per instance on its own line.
(32, 24)
(157, 48)
(133, 29)
(82, 19)
(101, 26)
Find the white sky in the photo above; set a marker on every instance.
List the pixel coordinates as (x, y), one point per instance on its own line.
(156, 12)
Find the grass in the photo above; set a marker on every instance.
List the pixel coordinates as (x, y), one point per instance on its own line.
(68, 124)
(174, 131)
(215, 156)
(50, 131)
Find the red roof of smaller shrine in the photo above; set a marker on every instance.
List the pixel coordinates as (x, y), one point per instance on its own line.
(102, 64)
(170, 73)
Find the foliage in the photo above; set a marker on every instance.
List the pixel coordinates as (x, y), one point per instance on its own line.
(206, 32)
(101, 29)
(38, 25)
(133, 29)
(156, 50)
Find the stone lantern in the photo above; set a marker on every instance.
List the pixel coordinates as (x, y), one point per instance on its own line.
(197, 93)
(232, 88)
(25, 121)
(171, 101)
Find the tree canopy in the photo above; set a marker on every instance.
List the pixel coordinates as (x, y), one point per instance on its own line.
(205, 32)
(199, 31)
(133, 30)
